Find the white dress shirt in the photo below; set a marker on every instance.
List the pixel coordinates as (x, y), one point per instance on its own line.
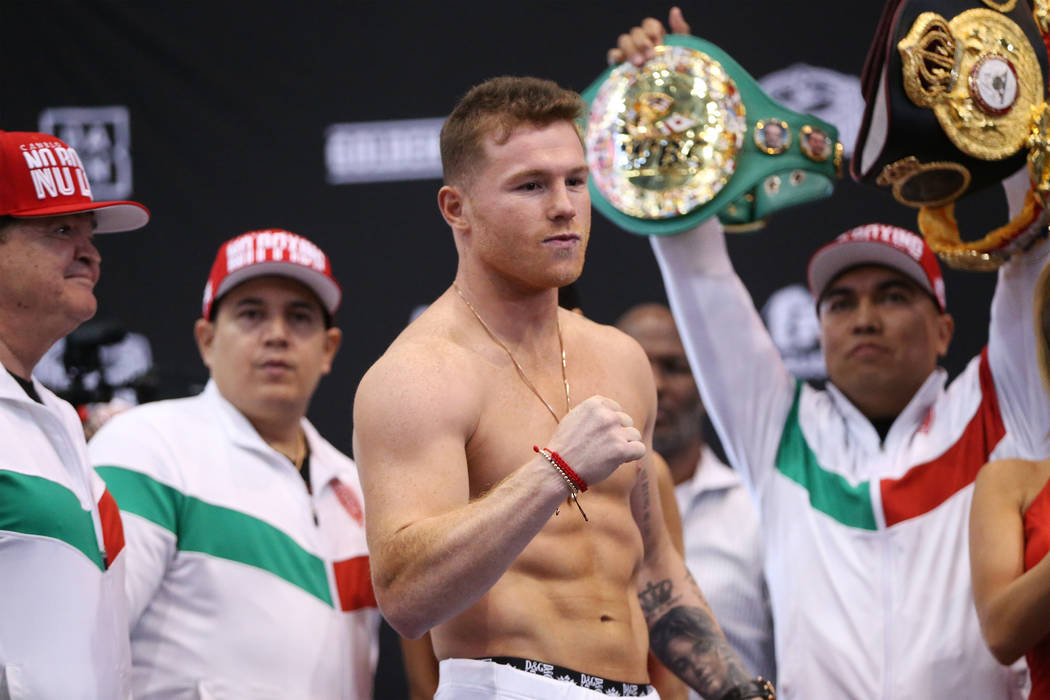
(723, 552)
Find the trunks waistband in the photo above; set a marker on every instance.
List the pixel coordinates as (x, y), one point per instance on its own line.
(584, 680)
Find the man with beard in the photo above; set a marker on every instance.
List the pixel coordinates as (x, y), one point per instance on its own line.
(719, 524)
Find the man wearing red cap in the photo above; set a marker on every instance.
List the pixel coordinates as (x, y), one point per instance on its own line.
(247, 570)
(864, 487)
(63, 632)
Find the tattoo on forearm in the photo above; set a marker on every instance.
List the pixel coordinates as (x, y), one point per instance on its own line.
(687, 640)
(643, 485)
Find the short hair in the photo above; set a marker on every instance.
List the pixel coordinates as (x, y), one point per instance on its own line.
(499, 105)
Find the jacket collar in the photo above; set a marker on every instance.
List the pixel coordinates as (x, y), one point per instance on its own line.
(243, 434)
(710, 475)
(908, 421)
(12, 390)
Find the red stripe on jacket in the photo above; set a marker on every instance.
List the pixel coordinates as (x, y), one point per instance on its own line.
(926, 486)
(112, 527)
(353, 579)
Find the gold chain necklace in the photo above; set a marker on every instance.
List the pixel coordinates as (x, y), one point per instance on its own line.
(521, 372)
(300, 451)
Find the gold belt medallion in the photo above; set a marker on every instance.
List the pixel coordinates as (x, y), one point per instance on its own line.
(1039, 152)
(980, 76)
(664, 138)
(1041, 12)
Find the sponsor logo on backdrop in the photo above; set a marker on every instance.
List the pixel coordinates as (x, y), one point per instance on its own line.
(404, 149)
(102, 138)
(834, 97)
(119, 363)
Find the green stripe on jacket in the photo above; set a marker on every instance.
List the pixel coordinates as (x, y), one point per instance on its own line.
(33, 505)
(829, 493)
(220, 532)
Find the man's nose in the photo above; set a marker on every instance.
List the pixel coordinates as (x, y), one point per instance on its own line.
(87, 252)
(276, 329)
(866, 317)
(562, 206)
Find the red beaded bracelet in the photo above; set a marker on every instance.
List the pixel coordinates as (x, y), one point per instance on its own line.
(578, 482)
(572, 479)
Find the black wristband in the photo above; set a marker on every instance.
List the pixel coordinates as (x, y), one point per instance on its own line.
(754, 688)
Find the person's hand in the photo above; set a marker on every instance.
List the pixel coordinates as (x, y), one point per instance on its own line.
(596, 437)
(637, 45)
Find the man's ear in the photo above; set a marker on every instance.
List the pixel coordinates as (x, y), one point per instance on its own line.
(204, 334)
(333, 339)
(945, 331)
(453, 206)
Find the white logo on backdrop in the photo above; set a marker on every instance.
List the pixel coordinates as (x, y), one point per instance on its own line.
(406, 149)
(834, 97)
(101, 137)
(119, 363)
(791, 317)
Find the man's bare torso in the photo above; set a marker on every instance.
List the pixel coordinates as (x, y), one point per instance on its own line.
(570, 596)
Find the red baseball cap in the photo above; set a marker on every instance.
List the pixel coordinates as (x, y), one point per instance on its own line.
(271, 252)
(41, 176)
(878, 244)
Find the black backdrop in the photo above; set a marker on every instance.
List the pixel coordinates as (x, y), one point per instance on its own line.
(229, 103)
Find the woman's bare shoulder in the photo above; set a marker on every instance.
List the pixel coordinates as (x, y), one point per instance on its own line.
(1020, 479)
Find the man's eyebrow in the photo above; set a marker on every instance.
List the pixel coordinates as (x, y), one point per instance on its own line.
(895, 283)
(836, 292)
(543, 172)
(534, 172)
(305, 304)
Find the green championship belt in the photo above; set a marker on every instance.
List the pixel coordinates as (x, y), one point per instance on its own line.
(690, 134)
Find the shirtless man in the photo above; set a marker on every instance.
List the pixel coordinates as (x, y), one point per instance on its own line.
(471, 532)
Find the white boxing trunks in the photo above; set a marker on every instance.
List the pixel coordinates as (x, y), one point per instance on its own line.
(477, 679)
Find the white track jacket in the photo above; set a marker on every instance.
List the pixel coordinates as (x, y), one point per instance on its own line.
(241, 584)
(866, 542)
(63, 616)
